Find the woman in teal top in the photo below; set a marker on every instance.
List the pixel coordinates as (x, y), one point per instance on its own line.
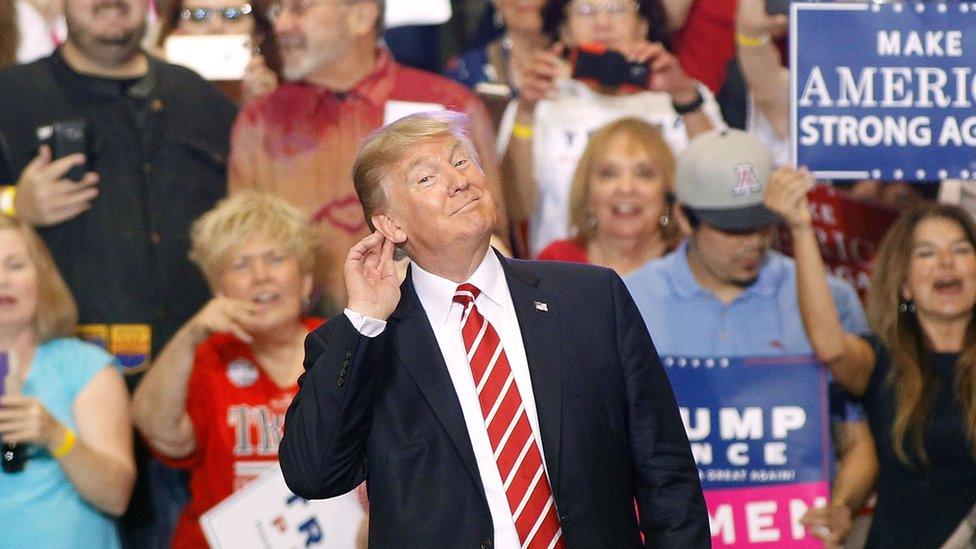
(63, 400)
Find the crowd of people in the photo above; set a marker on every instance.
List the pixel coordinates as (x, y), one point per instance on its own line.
(168, 244)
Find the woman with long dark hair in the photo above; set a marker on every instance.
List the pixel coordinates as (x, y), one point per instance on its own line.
(917, 374)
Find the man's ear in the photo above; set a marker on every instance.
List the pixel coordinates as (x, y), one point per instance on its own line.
(362, 18)
(389, 228)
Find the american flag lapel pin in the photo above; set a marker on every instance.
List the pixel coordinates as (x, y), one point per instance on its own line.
(540, 306)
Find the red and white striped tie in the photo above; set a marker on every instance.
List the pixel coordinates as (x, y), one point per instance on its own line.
(516, 450)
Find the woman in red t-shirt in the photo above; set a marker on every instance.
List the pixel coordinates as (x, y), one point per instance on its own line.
(214, 401)
(620, 203)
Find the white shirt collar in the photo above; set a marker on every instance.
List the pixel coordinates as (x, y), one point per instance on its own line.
(437, 293)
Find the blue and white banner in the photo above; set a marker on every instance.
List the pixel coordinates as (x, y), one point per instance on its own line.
(884, 91)
(760, 432)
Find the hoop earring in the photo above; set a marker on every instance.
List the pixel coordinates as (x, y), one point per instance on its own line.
(907, 307)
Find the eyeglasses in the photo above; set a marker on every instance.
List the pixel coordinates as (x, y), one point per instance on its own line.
(202, 15)
(613, 9)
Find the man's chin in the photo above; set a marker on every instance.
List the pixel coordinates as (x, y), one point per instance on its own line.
(745, 281)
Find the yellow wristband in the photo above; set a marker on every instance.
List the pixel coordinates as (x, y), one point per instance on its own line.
(66, 446)
(7, 194)
(751, 41)
(522, 131)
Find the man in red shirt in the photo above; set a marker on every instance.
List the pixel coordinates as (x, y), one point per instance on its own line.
(299, 141)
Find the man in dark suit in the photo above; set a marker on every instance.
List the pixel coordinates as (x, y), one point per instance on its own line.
(486, 402)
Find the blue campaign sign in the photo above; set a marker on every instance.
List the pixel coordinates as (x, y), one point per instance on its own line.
(884, 91)
(754, 421)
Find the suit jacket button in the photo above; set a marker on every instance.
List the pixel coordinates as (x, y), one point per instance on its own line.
(486, 544)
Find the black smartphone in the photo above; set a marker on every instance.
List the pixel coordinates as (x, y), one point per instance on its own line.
(778, 7)
(65, 138)
(608, 68)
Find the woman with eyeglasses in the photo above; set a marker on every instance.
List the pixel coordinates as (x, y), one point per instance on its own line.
(229, 17)
(610, 59)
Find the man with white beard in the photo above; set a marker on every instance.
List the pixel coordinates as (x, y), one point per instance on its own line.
(152, 139)
(299, 142)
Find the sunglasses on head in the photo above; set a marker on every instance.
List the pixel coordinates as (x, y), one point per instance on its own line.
(229, 13)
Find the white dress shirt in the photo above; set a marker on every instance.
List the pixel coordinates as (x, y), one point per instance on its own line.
(495, 304)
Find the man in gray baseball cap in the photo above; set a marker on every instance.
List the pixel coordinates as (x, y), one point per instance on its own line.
(719, 183)
(725, 293)
(721, 178)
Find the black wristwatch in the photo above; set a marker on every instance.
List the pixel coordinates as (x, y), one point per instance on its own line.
(691, 106)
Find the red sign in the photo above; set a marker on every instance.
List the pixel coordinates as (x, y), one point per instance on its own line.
(849, 230)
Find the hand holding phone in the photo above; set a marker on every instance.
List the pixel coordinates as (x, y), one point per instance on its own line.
(214, 56)
(595, 64)
(66, 138)
(45, 194)
(13, 457)
(666, 74)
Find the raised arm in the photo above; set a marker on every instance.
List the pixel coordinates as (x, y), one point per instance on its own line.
(766, 78)
(693, 102)
(159, 403)
(539, 79)
(848, 356)
(322, 453)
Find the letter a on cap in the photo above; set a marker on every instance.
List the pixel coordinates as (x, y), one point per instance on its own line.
(745, 183)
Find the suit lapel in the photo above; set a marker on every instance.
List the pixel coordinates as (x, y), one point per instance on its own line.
(422, 358)
(538, 316)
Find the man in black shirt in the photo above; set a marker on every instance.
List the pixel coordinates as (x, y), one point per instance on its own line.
(156, 137)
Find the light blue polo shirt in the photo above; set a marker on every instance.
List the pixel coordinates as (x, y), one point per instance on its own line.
(685, 319)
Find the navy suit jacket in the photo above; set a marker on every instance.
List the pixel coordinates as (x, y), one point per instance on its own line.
(384, 410)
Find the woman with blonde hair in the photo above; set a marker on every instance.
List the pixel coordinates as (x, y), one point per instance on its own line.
(621, 205)
(214, 401)
(917, 375)
(64, 415)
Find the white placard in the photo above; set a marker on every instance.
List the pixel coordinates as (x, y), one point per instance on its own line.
(266, 515)
(212, 56)
(411, 12)
(394, 110)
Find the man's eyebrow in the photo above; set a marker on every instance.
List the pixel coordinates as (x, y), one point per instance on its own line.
(417, 162)
(423, 159)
